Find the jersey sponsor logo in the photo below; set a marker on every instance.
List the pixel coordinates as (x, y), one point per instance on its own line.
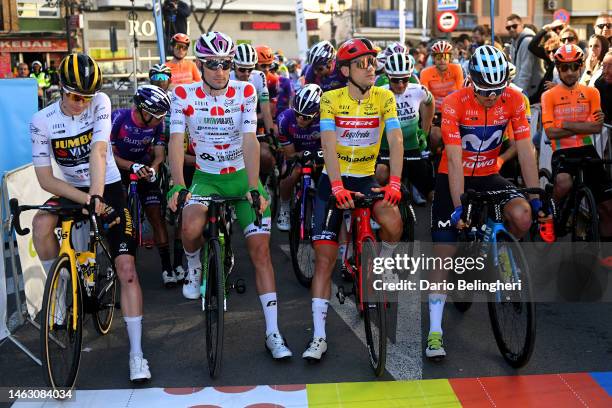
(355, 134)
(482, 162)
(206, 156)
(73, 151)
(444, 224)
(357, 123)
(216, 121)
(352, 159)
(481, 138)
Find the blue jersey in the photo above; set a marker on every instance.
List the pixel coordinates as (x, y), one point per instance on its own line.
(301, 138)
(132, 142)
(333, 81)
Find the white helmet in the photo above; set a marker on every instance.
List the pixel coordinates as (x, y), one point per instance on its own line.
(399, 65)
(488, 68)
(246, 56)
(214, 44)
(321, 53)
(307, 100)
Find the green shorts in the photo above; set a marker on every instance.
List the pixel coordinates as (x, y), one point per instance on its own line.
(232, 184)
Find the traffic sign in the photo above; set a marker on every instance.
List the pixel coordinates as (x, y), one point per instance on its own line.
(447, 5)
(563, 15)
(448, 21)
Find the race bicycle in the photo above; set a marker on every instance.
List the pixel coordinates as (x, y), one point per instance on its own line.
(77, 283)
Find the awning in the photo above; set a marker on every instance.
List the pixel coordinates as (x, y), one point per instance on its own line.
(33, 45)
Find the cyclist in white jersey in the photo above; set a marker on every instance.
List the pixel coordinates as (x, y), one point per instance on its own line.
(221, 118)
(75, 131)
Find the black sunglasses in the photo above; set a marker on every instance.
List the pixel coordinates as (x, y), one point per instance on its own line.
(487, 93)
(400, 80)
(574, 66)
(512, 27)
(214, 64)
(604, 25)
(568, 39)
(245, 69)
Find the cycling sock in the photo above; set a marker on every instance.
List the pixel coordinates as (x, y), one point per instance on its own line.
(436, 309)
(193, 260)
(178, 253)
(47, 265)
(268, 303)
(164, 255)
(134, 329)
(319, 315)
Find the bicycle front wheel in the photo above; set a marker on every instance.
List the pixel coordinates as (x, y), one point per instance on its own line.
(213, 300)
(585, 217)
(302, 252)
(60, 337)
(512, 313)
(105, 291)
(374, 309)
(136, 214)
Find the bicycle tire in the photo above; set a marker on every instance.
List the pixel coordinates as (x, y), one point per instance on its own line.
(374, 315)
(296, 244)
(136, 214)
(590, 219)
(105, 291)
(274, 192)
(164, 186)
(60, 363)
(214, 295)
(513, 305)
(463, 299)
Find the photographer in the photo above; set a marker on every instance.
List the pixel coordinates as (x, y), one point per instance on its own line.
(175, 14)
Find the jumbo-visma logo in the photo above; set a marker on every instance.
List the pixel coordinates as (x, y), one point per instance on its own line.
(74, 150)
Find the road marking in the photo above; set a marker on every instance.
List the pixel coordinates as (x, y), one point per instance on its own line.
(404, 358)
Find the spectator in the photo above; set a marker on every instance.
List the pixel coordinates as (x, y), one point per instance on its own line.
(23, 71)
(43, 82)
(479, 36)
(603, 26)
(604, 85)
(598, 47)
(569, 36)
(529, 69)
(536, 46)
(52, 73)
(175, 14)
(545, 49)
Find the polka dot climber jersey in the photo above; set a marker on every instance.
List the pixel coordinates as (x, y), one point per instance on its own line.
(216, 123)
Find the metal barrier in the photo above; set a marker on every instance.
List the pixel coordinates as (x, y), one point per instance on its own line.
(120, 99)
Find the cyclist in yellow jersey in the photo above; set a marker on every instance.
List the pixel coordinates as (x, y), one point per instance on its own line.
(352, 122)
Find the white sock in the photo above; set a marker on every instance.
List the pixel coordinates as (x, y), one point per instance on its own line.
(193, 260)
(134, 329)
(47, 265)
(319, 315)
(436, 309)
(268, 303)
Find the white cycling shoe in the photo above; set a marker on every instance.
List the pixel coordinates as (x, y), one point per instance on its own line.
(191, 285)
(275, 344)
(139, 369)
(316, 349)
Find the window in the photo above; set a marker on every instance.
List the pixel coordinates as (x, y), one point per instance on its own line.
(486, 8)
(37, 8)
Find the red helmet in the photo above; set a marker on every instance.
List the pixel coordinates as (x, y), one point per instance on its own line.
(265, 55)
(355, 48)
(569, 53)
(441, 47)
(180, 38)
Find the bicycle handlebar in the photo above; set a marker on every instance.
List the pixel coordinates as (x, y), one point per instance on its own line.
(59, 210)
(304, 158)
(214, 198)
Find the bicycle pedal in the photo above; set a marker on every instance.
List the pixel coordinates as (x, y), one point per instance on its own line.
(341, 295)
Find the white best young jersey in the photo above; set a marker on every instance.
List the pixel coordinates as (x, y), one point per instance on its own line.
(69, 140)
(216, 123)
(258, 80)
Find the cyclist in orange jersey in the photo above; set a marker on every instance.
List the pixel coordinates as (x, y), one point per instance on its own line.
(183, 70)
(571, 115)
(441, 79)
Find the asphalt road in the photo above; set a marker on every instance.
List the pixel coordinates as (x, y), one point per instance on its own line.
(570, 338)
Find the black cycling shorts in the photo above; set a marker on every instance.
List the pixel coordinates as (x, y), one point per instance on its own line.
(363, 185)
(120, 237)
(442, 207)
(148, 192)
(437, 119)
(595, 176)
(419, 173)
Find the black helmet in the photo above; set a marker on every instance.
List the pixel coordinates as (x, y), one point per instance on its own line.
(80, 74)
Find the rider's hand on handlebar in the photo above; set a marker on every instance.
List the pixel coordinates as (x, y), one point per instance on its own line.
(98, 204)
(142, 171)
(456, 219)
(173, 197)
(392, 190)
(263, 203)
(344, 200)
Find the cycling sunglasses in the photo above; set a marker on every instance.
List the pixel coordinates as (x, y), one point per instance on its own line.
(214, 64)
(404, 80)
(604, 25)
(322, 67)
(181, 47)
(568, 39)
(305, 117)
(78, 98)
(157, 116)
(160, 77)
(365, 63)
(265, 66)
(511, 27)
(566, 66)
(488, 93)
(244, 69)
(442, 55)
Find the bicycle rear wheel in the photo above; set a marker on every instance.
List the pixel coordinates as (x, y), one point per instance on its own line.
(60, 338)
(213, 299)
(105, 291)
(585, 217)
(302, 252)
(512, 313)
(374, 310)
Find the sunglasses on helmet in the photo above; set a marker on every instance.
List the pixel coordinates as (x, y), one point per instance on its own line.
(214, 64)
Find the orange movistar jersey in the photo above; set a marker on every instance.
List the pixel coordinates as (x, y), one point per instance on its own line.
(479, 131)
(442, 84)
(184, 72)
(561, 104)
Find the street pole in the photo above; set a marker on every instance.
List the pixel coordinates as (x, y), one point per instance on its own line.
(332, 26)
(68, 13)
(402, 21)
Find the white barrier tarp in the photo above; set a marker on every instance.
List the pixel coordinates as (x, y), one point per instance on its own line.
(3, 329)
(23, 185)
